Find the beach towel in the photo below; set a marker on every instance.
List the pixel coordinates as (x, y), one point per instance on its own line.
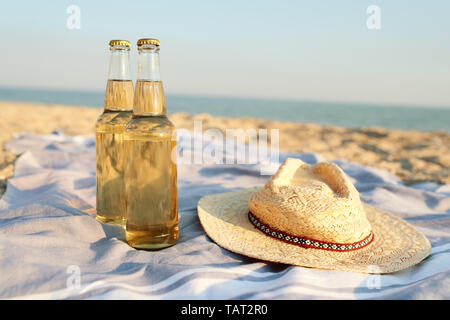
(51, 246)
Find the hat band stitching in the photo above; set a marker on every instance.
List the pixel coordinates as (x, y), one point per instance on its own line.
(307, 242)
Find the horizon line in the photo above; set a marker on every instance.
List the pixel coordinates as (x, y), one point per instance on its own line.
(237, 97)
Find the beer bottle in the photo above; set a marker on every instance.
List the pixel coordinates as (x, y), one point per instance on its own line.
(110, 126)
(150, 169)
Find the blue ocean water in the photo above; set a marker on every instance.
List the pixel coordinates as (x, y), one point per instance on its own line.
(347, 115)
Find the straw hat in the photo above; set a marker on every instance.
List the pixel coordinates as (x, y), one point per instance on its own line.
(311, 215)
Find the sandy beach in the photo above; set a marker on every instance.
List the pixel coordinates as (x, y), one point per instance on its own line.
(411, 155)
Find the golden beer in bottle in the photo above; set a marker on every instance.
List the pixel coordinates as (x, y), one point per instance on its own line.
(111, 207)
(150, 168)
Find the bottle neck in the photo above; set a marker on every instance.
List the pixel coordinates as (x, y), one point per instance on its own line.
(148, 63)
(149, 97)
(119, 89)
(119, 64)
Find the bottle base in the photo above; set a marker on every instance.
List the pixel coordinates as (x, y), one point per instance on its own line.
(115, 220)
(146, 240)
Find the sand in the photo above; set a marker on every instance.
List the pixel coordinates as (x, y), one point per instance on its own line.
(411, 155)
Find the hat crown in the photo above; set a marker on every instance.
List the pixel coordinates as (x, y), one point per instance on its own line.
(316, 201)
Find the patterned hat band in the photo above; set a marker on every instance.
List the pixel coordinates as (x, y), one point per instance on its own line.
(306, 242)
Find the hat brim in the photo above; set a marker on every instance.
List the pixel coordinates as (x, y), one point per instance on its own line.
(397, 245)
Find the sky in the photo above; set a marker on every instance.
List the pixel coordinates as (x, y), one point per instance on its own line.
(295, 50)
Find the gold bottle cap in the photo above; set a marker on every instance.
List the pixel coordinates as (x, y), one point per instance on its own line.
(148, 41)
(123, 43)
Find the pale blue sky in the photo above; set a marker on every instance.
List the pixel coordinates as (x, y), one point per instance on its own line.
(307, 50)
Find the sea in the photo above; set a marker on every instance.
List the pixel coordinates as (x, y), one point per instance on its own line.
(348, 115)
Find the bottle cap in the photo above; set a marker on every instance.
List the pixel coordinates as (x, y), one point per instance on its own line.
(123, 43)
(148, 41)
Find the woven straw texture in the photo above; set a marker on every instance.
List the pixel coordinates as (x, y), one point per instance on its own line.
(316, 201)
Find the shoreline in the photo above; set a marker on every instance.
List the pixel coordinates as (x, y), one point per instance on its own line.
(413, 156)
(349, 115)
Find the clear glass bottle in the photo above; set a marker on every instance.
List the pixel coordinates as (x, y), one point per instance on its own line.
(111, 207)
(150, 170)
